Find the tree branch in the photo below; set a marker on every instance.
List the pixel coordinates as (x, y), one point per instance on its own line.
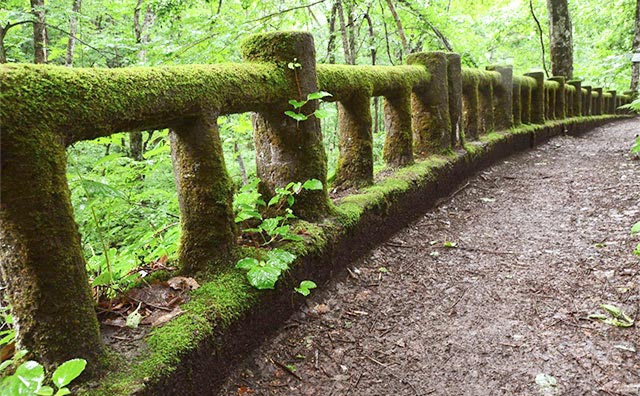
(285, 11)
(533, 14)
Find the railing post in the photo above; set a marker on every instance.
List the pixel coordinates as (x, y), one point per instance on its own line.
(587, 101)
(537, 98)
(503, 110)
(41, 259)
(470, 104)
(598, 101)
(454, 76)
(288, 150)
(576, 108)
(559, 110)
(517, 103)
(398, 144)
(525, 103)
(487, 120)
(430, 105)
(355, 163)
(205, 193)
(613, 102)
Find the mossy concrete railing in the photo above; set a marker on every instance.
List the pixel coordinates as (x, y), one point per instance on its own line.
(432, 105)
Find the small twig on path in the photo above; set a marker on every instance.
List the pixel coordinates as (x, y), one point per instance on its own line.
(285, 368)
(457, 301)
(376, 361)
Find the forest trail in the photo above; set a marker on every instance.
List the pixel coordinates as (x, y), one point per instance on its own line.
(543, 238)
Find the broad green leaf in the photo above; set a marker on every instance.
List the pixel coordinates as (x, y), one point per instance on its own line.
(247, 263)
(31, 374)
(103, 279)
(95, 189)
(312, 184)
(318, 95)
(274, 200)
(296, 116)
(263, 277)
(297, 104)
(45, 391)
(68, 371)
(321, 113)
(269, 225)
(134, 318)
(63, 392)
(635, 229)
(305, 287)
(281, 258)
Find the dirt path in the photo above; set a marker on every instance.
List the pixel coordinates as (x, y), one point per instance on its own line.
(543, 239)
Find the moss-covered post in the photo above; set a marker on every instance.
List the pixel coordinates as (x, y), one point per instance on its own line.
(517, 103)
(525, 101)
(430, 105)
(41, 260)
(487, 120)
(576, 108)
(470, 106)
(287, 150)
(559, 109)
(355, 163)
(613, 102)
(550, 103)
(398, 144)
(503, 110)
(205, 193)
(537, 98)
(598, 101)
(454, 76)
(587, 101)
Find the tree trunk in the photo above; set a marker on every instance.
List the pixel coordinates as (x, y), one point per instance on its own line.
(635, 67)
(73, 30)
(403, 38)
(349, 58)
(560, 38)
(3, 51)
(39, 32)
(332, 35)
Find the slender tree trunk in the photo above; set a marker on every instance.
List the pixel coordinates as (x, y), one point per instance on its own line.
(560, 38)
(3, 51)
(39, 32)
(348, 56)
(403, 38)
(73, 30)
(635, 67)
(372, 47)
(331, 45)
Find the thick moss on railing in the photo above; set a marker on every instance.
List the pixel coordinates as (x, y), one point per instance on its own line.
(83, 104)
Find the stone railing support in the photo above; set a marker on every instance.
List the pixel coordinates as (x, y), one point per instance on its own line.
(41, 259)
(517, 104)
(503, 97)
(471, 106)
(598, 101)
(430, 105)
(587, 101)
(576, 105)
(398, 144)
(560, 95)
(525, 102)
(205, 193)
(487, 119)
(355, 163)
(290, 151)
(454, 76)
(537, 98)
(613, 102)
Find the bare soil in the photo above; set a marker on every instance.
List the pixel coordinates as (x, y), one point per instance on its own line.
(542, 239)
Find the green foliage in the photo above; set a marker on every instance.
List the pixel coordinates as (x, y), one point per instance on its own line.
(305, 287)
(264, 271)
(29, 379)
(297, 105)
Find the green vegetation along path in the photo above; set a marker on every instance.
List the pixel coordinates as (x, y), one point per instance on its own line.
(543, 239)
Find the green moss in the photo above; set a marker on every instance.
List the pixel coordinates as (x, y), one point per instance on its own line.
(86, 103)
(524, 81)
(342, 80)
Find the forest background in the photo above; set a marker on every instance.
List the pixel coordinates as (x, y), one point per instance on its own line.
(122, 186)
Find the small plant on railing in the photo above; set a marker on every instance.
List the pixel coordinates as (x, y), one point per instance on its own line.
(264, 271)
(297, 114)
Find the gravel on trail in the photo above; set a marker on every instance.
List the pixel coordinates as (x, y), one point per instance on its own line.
(489, 293)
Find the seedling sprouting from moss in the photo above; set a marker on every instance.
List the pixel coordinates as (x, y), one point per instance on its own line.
(298, 104)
